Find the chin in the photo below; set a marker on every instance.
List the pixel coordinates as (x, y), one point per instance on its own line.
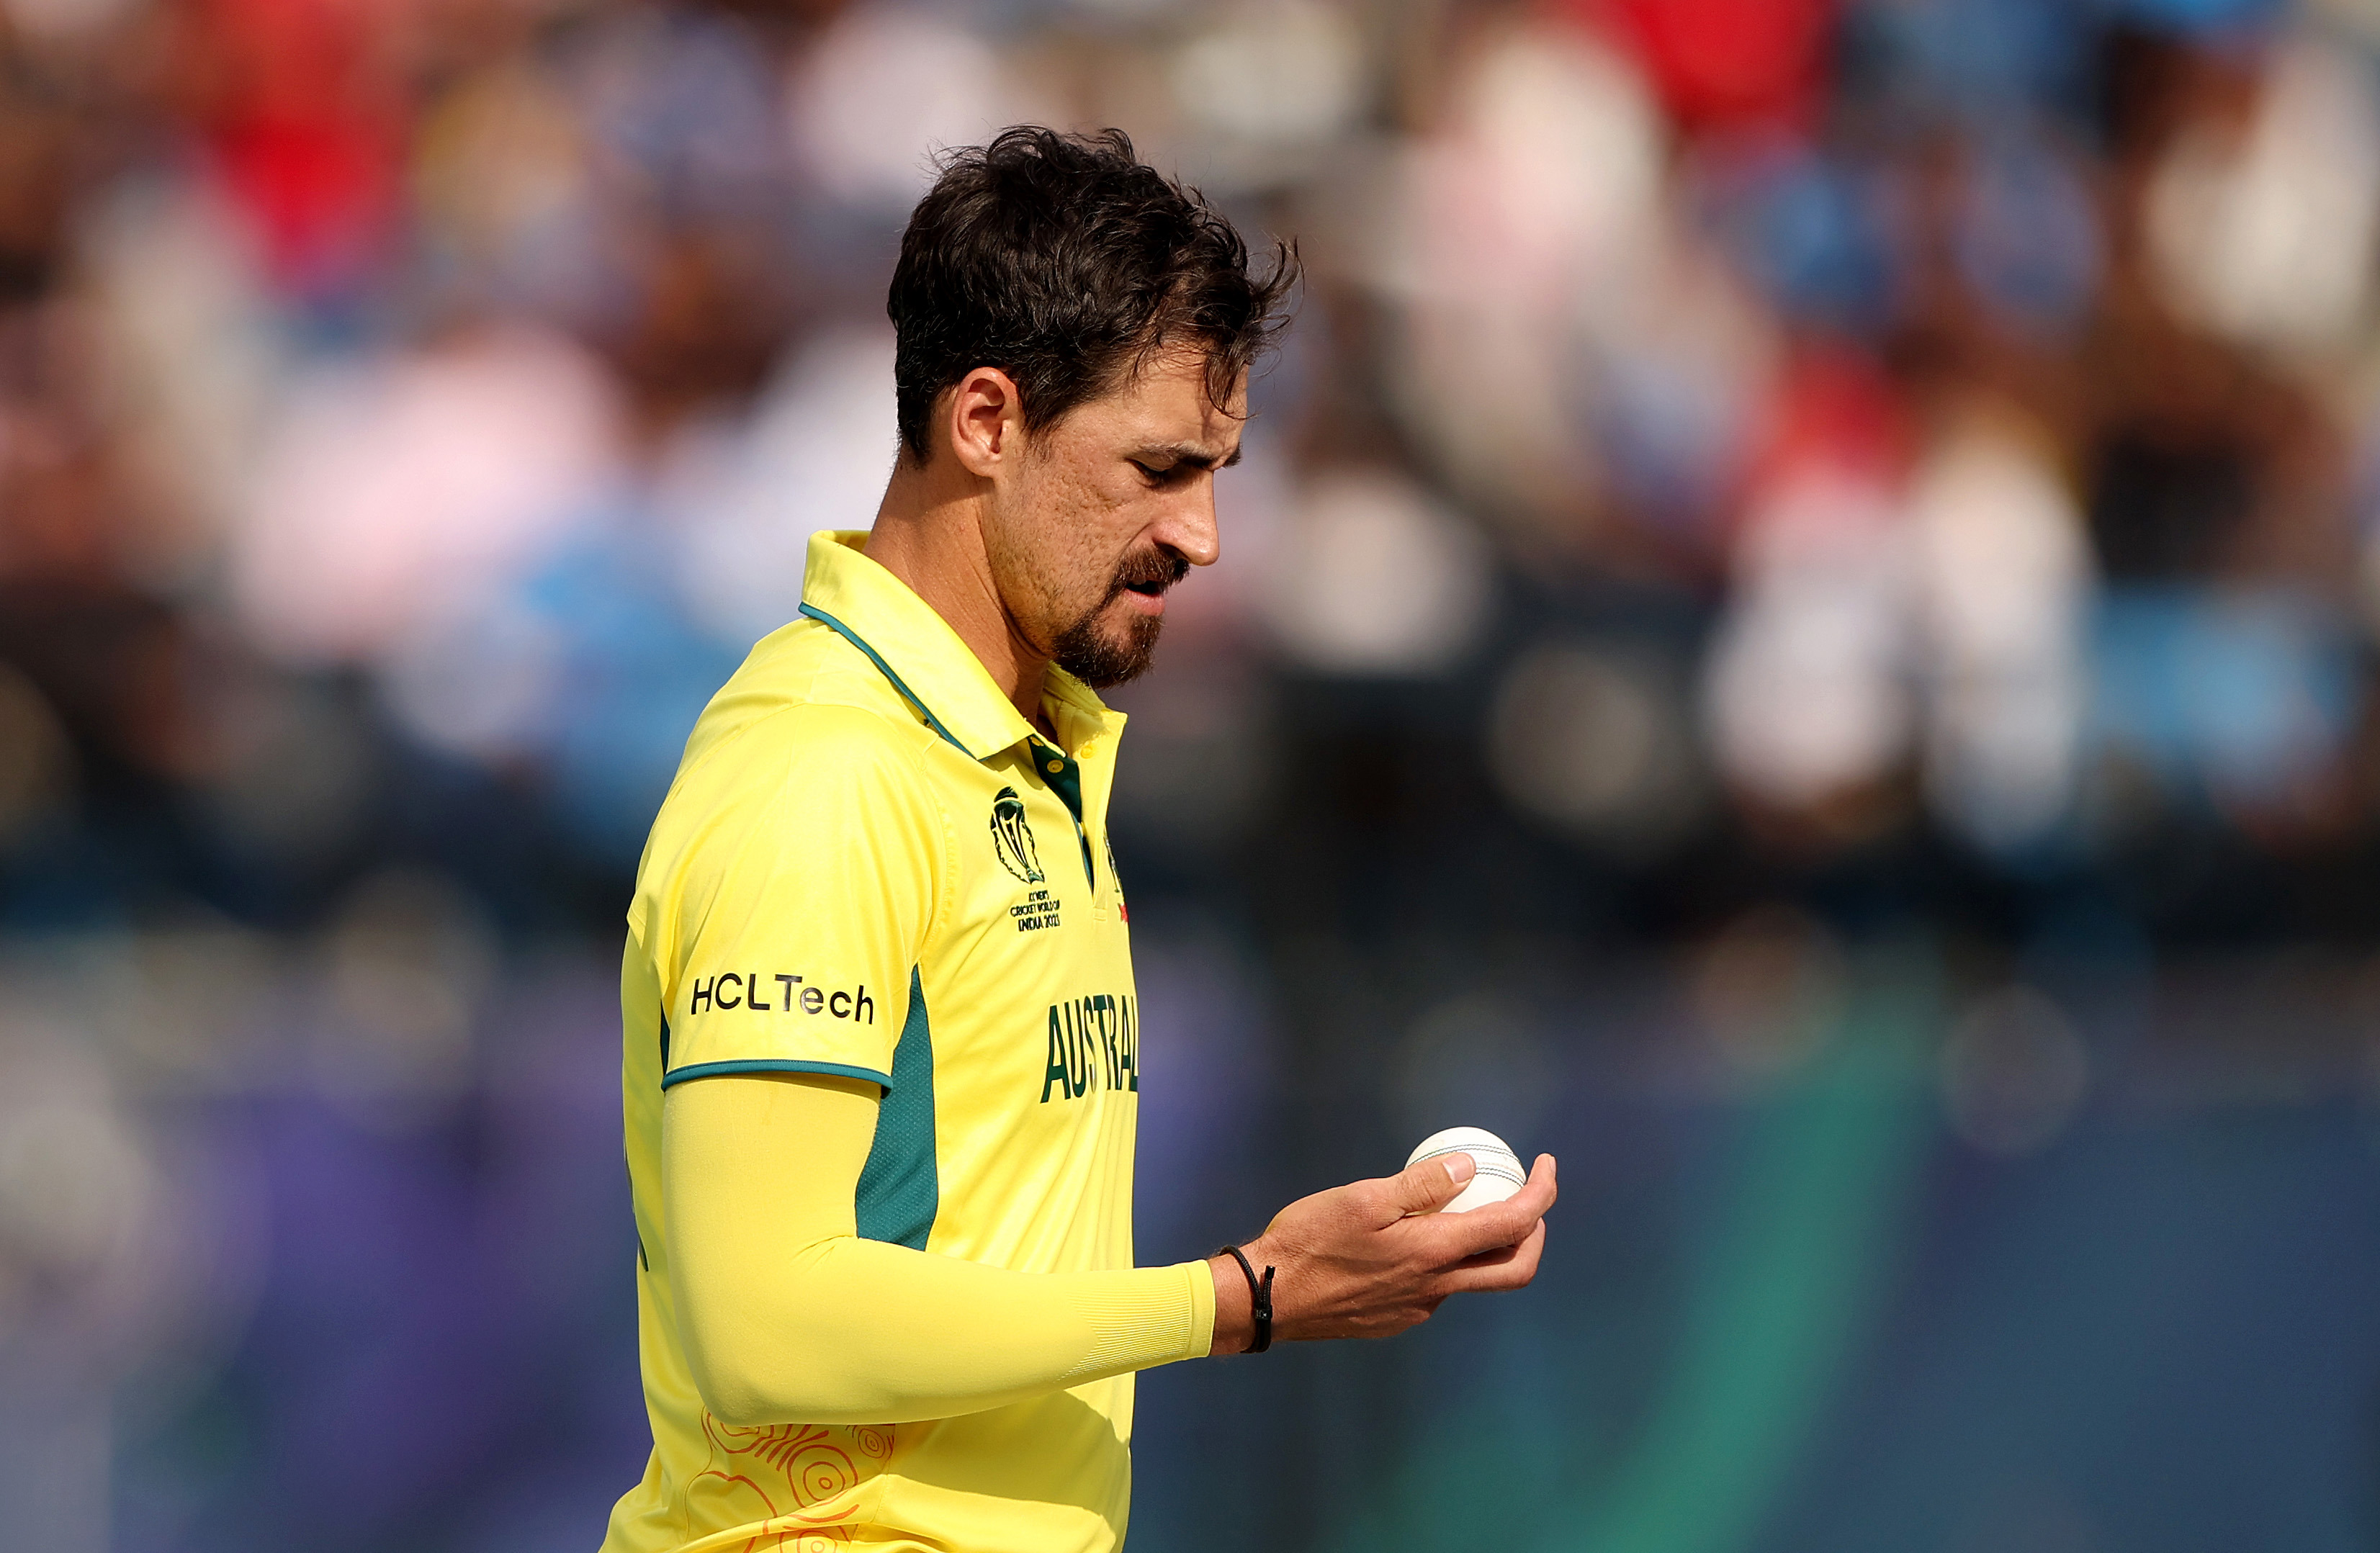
(1105, 656)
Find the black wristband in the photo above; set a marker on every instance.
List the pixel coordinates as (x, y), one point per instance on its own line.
(1259, 1301)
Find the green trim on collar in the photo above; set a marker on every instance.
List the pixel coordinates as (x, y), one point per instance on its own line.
(847, 634)
(911, 643)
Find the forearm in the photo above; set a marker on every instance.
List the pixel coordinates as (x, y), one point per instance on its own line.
(853, 1331)
(788, 1316)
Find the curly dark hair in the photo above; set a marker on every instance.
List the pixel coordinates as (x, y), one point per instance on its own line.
(1066, 263)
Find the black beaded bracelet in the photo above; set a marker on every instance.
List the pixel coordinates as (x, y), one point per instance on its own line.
(1261, 1301)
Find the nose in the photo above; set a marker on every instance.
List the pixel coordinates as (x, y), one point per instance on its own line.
(1188, 527)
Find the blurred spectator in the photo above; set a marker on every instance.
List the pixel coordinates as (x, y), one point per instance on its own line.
(394, 490)
(2263, 213)
(1810, 699)
(2003, 585)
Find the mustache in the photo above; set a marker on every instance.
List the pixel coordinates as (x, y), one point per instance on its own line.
(1160, 566)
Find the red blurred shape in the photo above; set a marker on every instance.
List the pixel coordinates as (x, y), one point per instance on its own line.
(1725, 63)
(304, 107)
(1836, 409)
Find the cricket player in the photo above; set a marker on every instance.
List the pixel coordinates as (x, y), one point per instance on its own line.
(882, 1063)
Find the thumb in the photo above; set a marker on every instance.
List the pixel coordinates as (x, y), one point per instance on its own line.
(1427, 1186)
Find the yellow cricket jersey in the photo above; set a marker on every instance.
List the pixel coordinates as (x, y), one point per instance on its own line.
(869, 865)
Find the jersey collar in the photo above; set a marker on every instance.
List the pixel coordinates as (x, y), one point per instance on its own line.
(916, 649)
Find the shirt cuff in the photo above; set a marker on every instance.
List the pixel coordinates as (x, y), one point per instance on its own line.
(1138, 1318)
(1202, 1308)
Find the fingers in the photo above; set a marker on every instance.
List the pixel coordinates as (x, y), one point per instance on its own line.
(1541, 1181)
(1504, 1223)
(1425, 1185)
(1506, 1267)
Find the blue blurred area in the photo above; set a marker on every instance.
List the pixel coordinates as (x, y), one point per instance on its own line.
(1797, 628)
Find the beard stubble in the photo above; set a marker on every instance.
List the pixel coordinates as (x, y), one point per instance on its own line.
(1101, 661)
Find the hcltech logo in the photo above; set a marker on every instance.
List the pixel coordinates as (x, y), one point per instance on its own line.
(1013, 838)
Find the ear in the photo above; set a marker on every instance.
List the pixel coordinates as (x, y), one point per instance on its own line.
(986, 421)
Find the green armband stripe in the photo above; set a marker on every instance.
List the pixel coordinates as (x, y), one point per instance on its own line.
(778, 1065)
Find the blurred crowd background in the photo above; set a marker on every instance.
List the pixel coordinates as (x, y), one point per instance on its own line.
(1798, 626)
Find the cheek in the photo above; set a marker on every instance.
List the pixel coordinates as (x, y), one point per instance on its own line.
(1057, 549)
(1086, 526)
(1089, 502)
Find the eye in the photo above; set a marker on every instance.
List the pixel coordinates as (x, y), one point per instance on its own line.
(1157, 477)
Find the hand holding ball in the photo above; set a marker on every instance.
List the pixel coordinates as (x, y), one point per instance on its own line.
(1499, 1172)
(1350, 1262)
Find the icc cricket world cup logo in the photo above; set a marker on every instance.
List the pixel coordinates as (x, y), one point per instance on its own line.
(1013, 838)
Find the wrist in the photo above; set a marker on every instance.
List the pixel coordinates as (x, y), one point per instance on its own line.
(1234, 1311)
(1244, 1300)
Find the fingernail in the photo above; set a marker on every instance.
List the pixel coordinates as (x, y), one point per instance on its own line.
(1460, 1168)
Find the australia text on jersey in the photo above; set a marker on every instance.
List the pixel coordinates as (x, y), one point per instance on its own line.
(1094, 1044)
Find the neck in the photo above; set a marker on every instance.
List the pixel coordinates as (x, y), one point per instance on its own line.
(930, 533)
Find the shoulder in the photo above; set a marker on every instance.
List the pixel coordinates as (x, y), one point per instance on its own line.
(797, 737)
(800, 762)
(803, 766)
(809, 788)
(804, 699)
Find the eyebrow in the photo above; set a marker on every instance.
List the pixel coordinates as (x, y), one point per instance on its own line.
(1196, 455)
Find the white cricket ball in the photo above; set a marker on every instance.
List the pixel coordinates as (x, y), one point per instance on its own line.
(1499, 1176)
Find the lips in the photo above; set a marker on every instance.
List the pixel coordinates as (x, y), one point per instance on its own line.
(1146, 577)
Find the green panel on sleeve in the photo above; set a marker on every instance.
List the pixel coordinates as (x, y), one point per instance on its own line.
(899, 1190)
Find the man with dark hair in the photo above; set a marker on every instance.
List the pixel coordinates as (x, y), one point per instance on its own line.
(882, 1067)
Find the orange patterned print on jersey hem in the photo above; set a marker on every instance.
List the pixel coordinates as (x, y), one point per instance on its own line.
(792, 1485)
